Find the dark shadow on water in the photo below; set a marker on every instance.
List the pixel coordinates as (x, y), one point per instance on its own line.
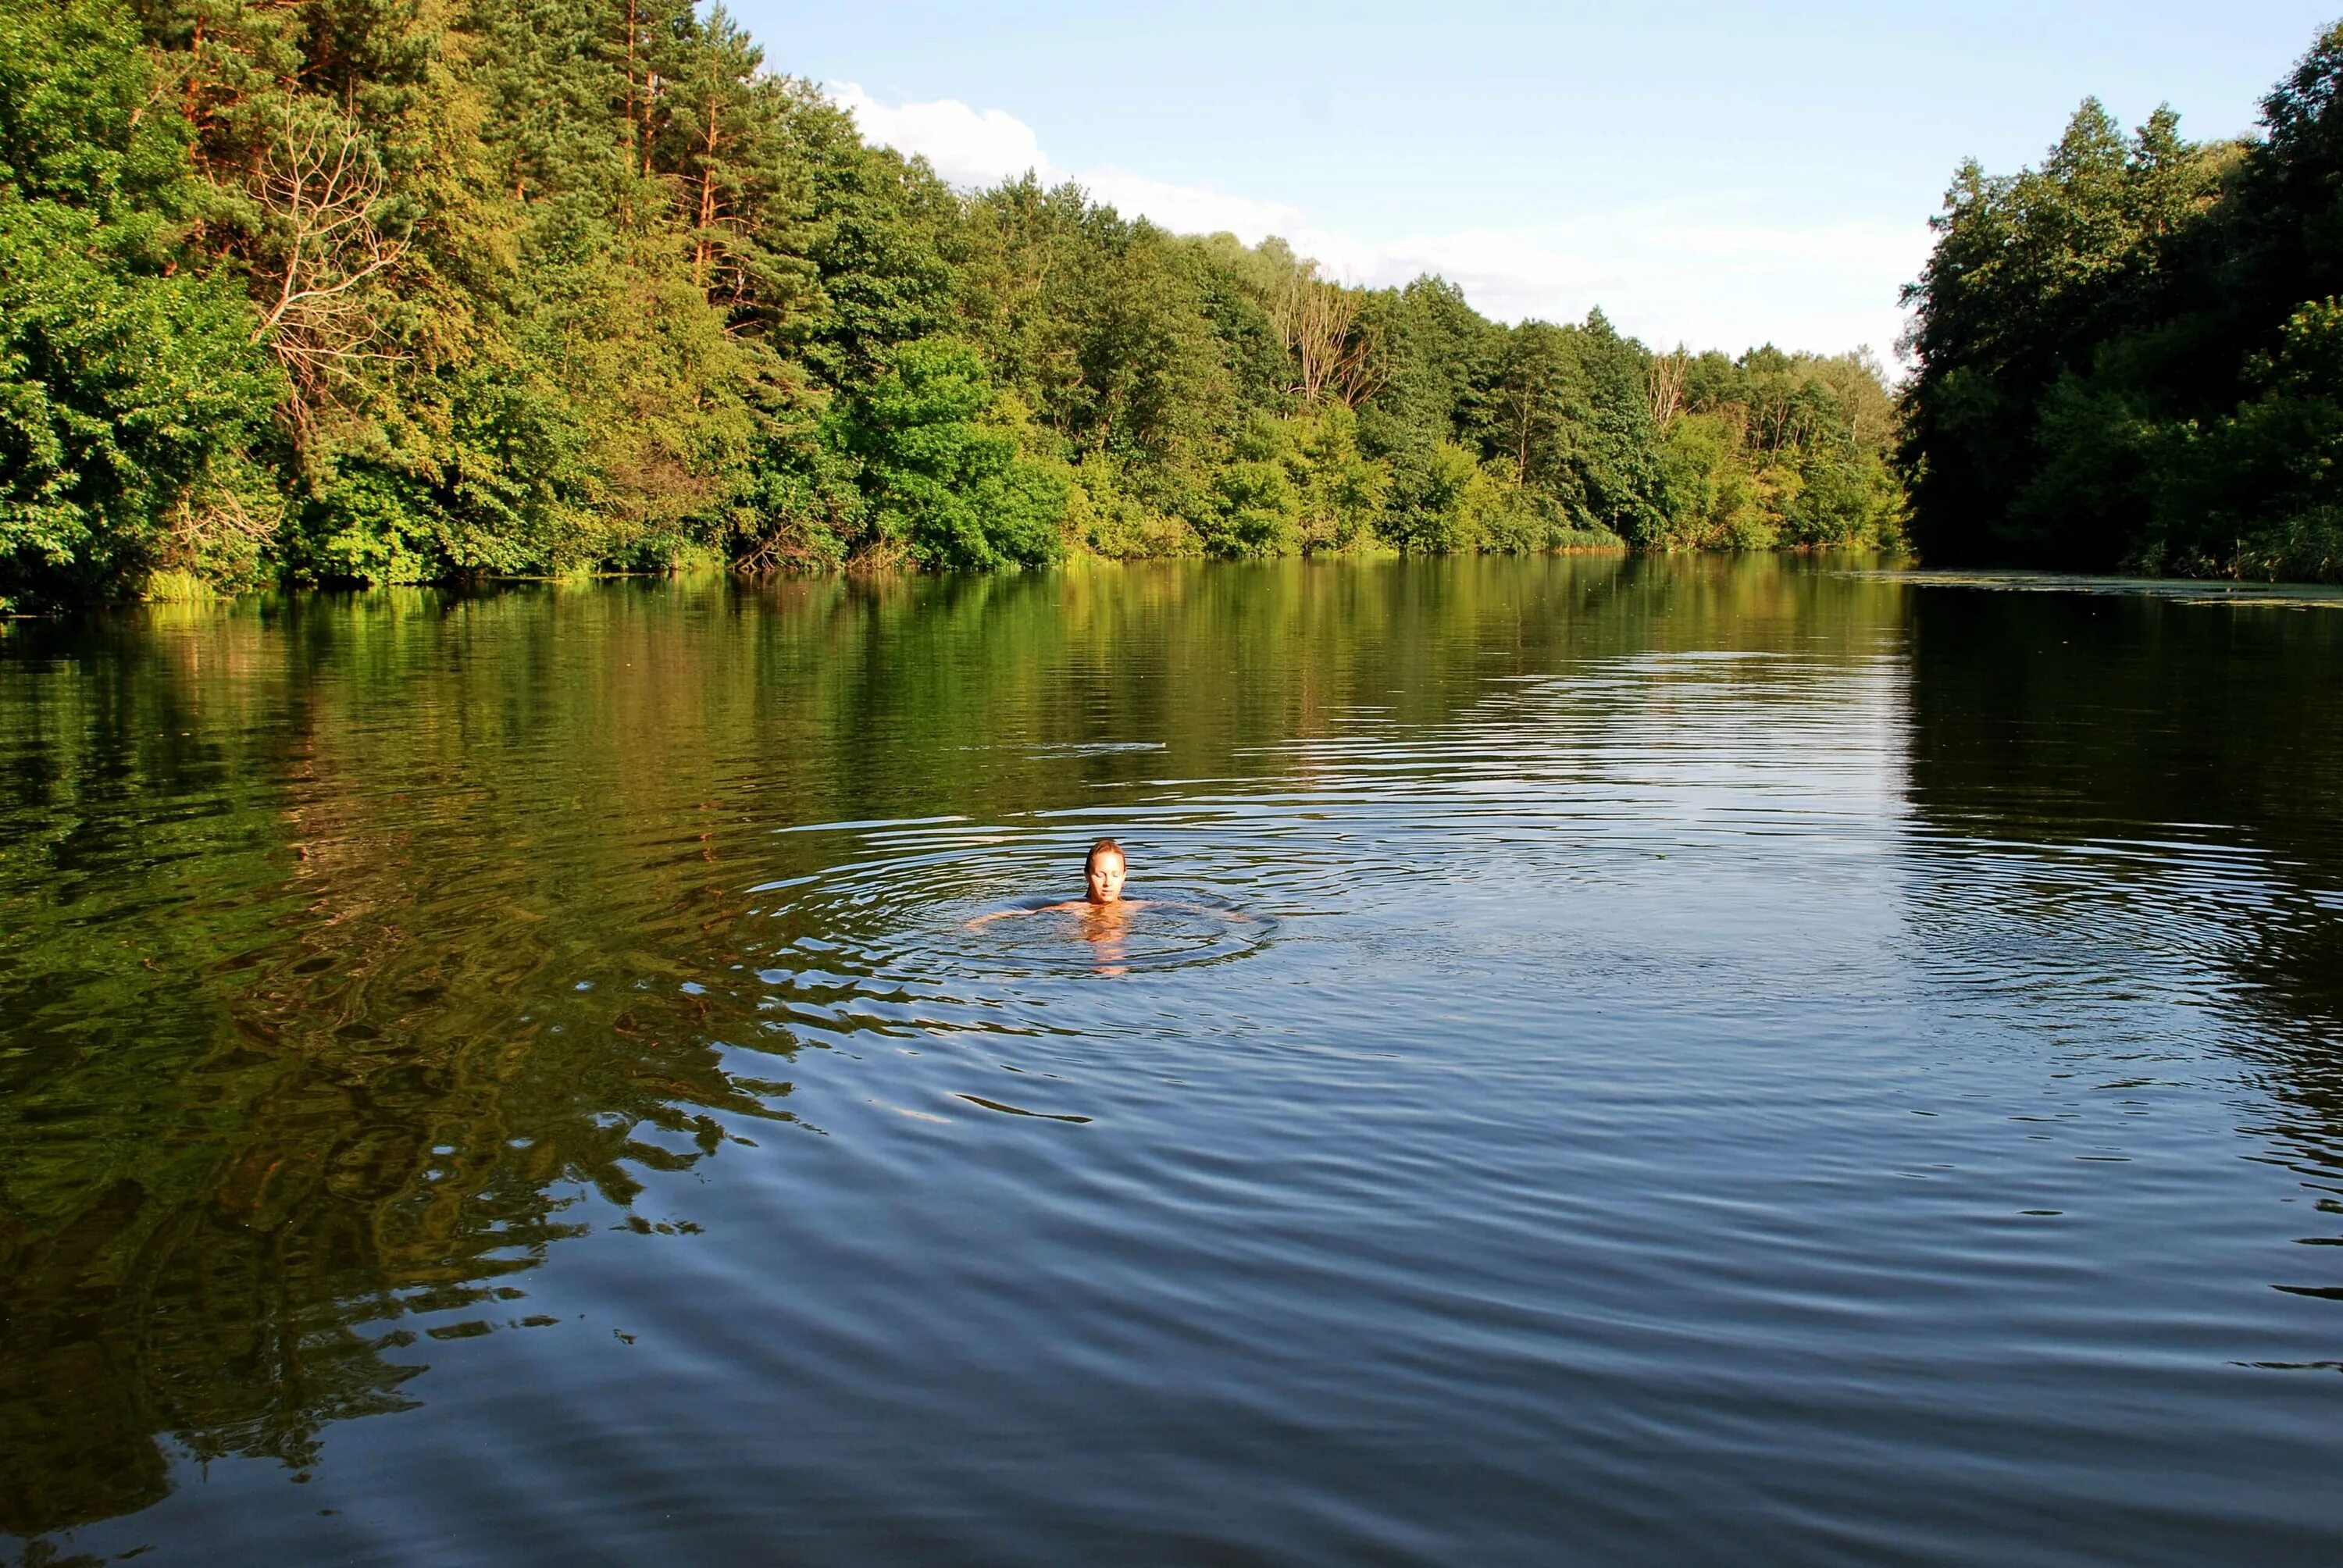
(2192, 751)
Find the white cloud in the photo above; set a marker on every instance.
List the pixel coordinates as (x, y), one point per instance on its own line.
(1713, 274)
(1192, 209)
(968, 146)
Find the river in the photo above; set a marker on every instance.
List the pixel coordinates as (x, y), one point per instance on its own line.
(1627, 1060)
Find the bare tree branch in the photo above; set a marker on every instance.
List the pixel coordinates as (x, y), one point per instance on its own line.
(1318, 322)
(1663, 385)
(319, 188)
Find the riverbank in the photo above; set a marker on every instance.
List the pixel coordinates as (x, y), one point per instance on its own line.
(522, 350)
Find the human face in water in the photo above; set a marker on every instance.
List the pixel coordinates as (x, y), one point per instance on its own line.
(1104, 873)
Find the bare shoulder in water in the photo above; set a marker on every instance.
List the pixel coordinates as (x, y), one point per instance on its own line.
(1103, 872)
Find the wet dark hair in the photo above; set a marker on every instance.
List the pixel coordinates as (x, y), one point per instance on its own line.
(1105, 847)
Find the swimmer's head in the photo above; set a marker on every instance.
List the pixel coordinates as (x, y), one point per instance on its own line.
(1104, 873)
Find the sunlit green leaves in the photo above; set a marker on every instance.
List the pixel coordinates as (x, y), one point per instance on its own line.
(580, 286)
(129, 386)
(947, 489)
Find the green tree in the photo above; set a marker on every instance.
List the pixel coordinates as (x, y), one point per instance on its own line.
(349, 291)
(947, 489)
(132, 395)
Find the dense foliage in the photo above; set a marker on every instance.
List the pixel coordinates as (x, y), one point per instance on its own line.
(2132, 357)
(399, 291)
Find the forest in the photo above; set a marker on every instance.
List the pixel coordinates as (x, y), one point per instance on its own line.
(389, 291)
(2131, 357)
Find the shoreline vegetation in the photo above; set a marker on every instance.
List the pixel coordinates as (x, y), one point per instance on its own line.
(347, 293)
(2130, 359)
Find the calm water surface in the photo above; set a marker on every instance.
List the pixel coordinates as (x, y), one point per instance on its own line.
(1719, 1058)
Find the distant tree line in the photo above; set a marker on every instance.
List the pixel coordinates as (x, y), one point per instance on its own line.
(2132, 357)
(349, 291)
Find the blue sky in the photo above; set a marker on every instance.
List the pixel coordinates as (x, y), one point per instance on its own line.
(1721, 175)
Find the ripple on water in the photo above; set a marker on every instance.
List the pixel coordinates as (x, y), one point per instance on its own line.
(1582, 1086)
(944, 910)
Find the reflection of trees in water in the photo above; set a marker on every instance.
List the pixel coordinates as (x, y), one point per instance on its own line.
(295, 908)
(2065, 721)
(265, 1078)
